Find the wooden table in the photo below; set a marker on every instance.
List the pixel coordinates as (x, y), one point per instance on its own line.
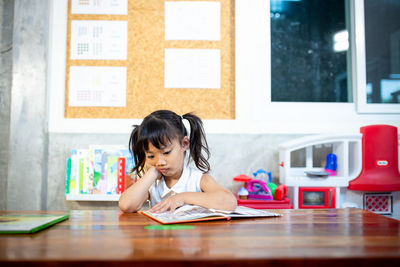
(331, 237)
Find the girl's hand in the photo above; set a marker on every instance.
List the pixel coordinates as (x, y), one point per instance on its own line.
(170, 204)
(153, 173)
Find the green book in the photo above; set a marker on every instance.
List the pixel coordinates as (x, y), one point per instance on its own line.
(28, 223)
(68, 176)
(81, 170)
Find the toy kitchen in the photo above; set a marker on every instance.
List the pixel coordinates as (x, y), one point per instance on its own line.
(344, 171)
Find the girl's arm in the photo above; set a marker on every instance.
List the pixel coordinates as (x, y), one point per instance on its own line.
(134, 196)
(213, 196)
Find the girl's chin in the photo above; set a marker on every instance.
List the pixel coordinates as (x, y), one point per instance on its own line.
(170, 175)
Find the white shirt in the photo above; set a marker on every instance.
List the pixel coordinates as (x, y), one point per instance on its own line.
(188, 182)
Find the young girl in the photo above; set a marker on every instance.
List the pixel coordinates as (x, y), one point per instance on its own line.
(158, 147)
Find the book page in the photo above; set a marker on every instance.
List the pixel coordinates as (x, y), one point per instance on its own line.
(242, 211)
(184, 213)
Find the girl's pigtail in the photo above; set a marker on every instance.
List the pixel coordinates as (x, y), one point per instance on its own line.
(137, 154)
(198, 142)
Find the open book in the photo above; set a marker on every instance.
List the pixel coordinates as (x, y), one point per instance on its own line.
(191, 213)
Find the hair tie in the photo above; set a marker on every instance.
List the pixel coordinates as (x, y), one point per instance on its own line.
(186, 124)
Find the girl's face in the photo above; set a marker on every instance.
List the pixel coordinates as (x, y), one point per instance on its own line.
(168, 160)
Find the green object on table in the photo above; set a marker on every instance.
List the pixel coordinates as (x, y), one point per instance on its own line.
(272, 187)
(168, 227)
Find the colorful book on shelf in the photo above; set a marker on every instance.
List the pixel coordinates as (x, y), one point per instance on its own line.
(87, 176)
(68, 176)
(96, 154)
(121, 175)
(81, 155)
(192, 213)
(28, 223)
(74, 175)
(112, 174)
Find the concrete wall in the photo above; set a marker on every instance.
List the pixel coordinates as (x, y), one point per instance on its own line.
(28, 138)
(6, 48)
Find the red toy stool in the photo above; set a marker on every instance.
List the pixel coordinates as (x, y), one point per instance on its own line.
(380, 171)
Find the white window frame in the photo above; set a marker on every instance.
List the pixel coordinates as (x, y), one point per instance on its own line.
(255, 113)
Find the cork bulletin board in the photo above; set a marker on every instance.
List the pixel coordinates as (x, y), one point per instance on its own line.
(145, 91)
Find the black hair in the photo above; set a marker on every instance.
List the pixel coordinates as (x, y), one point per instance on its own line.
(160, 128)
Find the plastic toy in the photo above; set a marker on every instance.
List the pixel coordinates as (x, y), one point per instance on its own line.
(380, 160)
(280, 192)
(272, 187)
(243, 193)
(258, 189)
(263, 175)
(243, 178)
(331, 164)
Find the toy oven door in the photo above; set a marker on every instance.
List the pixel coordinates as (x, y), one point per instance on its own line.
(317, 197)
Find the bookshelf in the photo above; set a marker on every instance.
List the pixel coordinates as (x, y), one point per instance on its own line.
(92, 197)
(98, 173)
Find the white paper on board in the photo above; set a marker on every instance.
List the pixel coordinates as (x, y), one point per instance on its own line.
(192, 68)
(99, 39)
(112, 7)
(94, 86)
(194, 20)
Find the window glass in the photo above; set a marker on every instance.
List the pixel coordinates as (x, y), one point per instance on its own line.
(298, 158)
(382, 47)
(309, 46)
(319, 153)
(313, 198)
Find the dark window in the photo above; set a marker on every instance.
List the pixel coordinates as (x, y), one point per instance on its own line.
(382, 47)
(309, 51)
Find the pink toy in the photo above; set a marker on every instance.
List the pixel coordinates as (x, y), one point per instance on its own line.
(258, 189)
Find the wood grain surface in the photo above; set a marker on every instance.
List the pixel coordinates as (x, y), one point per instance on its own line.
(331, 237)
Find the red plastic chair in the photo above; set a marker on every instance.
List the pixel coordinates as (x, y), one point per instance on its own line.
(380, 171)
